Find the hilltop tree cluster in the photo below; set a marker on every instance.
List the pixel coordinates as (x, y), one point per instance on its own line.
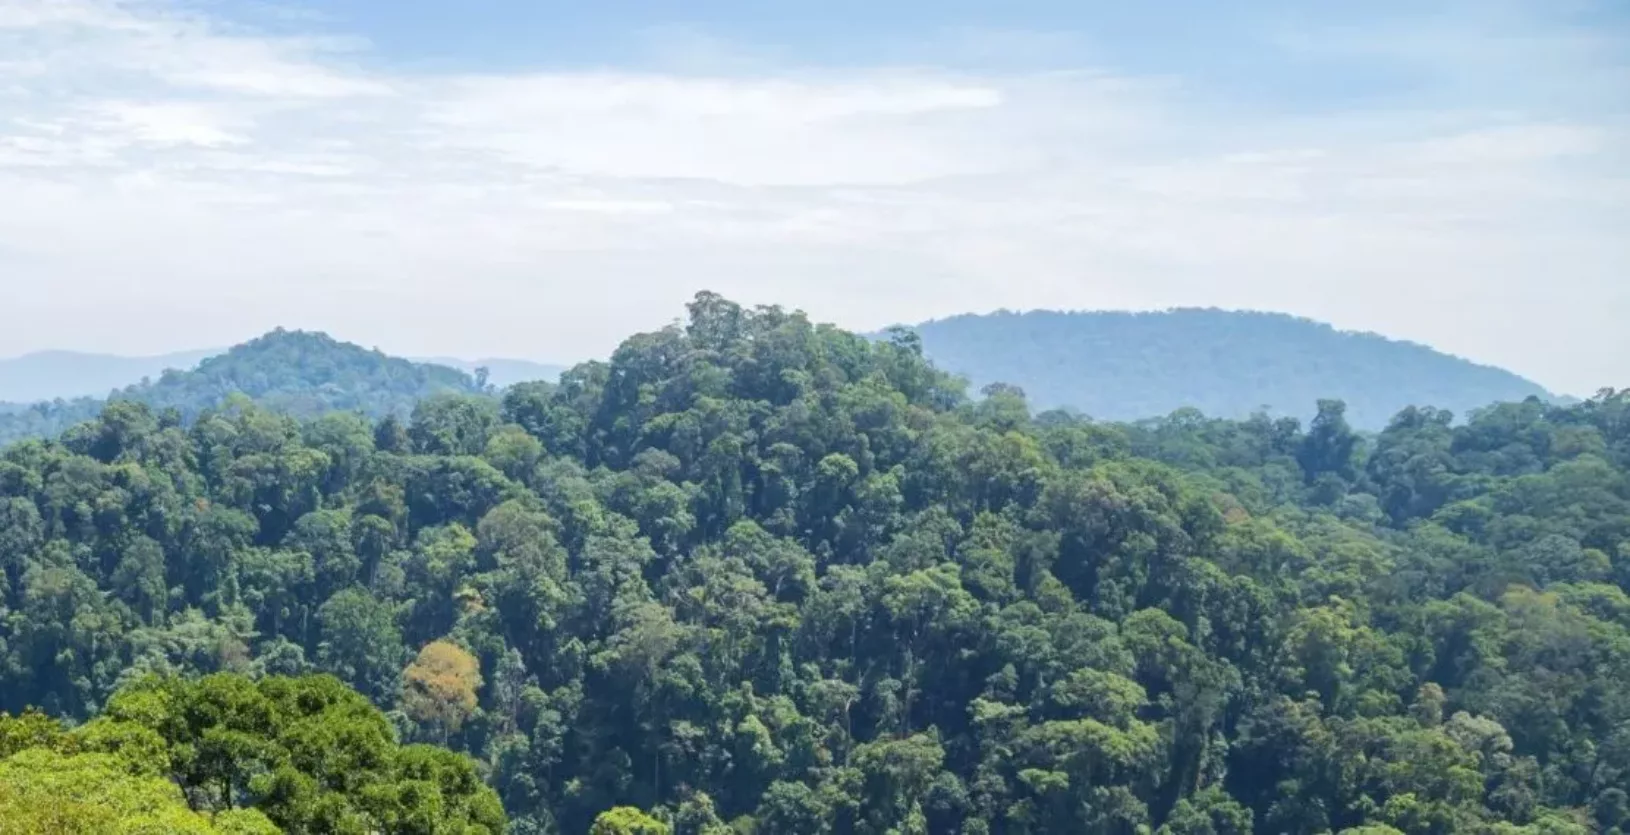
(756, 575)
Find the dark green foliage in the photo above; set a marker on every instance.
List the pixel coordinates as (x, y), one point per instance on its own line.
(292, 372)
(45, 419)
(1130, 366)
(756, 575)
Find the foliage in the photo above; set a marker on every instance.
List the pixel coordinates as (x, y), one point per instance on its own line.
(624, 820)
(439, 687)
(758, 575)
(44, 792)
(305, 754)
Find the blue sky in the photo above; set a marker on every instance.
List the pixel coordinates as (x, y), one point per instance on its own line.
(1277, 52)
(540, 179)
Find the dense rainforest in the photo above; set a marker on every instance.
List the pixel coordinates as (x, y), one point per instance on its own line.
(292, 372)
(759, 575)
(1117, 365)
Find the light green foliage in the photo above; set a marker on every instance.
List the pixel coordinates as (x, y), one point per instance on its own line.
(758, 575)
(626, 820)
(44, 792)
(251, 757)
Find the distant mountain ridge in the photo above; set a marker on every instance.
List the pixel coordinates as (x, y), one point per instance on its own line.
(1110, 365)
(1129, 366)
(295, 372)
(49, 375)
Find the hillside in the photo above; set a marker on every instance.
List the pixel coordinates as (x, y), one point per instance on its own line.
(758, 575)
(1127, 366)
(66, 375)
(293, 372)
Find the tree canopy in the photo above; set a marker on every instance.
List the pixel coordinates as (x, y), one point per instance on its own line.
(759, 575)
(224, 753)
(44, 791)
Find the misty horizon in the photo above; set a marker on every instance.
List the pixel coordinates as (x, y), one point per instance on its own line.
(472, 360)
(498, 182)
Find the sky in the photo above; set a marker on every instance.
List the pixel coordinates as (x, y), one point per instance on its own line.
(541, 179)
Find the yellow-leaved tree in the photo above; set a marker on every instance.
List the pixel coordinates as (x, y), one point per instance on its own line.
(438, 688)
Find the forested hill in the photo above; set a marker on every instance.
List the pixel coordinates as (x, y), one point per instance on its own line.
(1128, 366)
(757, 575)
(294, 372)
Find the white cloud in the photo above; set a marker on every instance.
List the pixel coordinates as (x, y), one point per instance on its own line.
(172, 181)
(171, 123)
(1514, 145)
(880, 128)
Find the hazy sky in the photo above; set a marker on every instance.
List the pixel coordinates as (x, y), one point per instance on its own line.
(540, 179)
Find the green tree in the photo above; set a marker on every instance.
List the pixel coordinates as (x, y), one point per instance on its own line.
(360, 641)
(43, 791)
(626, 820)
